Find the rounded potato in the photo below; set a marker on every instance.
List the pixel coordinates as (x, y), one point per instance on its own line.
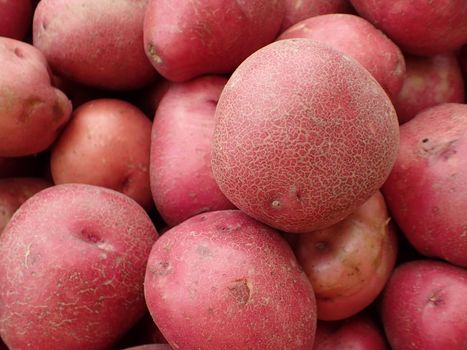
(222, 280)
(349, 263)
(32, 111)
(182, 183)
(359, 39)
(14, 192)
(210, 36)
(15, 18)
(72, 262)
(299, 146)
(97, 43)
(426, 191)
(107, 143)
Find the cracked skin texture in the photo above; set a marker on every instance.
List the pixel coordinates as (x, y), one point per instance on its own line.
(304, 136)
(72, 262)
(222, 280)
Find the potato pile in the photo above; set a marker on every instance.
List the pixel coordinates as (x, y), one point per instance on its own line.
(248, 174)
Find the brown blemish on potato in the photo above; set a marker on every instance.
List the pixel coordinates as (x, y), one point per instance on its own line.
(241, 290)
(30, 105)
(151, 49)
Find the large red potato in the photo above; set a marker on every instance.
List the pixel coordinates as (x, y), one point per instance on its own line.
(304, 135)
(425, 306)
(357, 333)
(182, 183)
(419, 27)
(97, 43)
(72, 262)
(194, 38)
(15, 18)
(222, 280)
(359, 39)
(107, 143)
(426, 191)
(430, 81)
(298, 10)
(32, 111)
(349, 263)
(14, 192)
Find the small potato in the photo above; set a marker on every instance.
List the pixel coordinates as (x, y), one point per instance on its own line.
(430, 81)
(359, 39)
(349, 263)
(182, 183)
(72, 262)
(14, 192)
(96, 43)
(107, 143)
(32, 111)
(15, 18)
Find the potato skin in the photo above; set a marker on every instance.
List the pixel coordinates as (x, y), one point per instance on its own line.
(32, 112)
(207, 37)
(107, 143)
(15, 19)
(72, 262)
(14, 192)
(430, 81)
(426, 190)
(182, 183)
(359, 39)
(419, 27)
(97, 43)
(424, 306)
(298, 146)
(222, 280)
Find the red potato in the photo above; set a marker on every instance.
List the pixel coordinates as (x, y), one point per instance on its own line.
(359, 39)
(222, 280)
(107, 143)
(72, 263)
(15, 19)
(182, 183)
(419, 27)
(298, 146)
(97, 43)
(32, 111)
(426, 190)
(14, 192)
(430, 81)
(299, 10)
(357, 333)
(349, 263)
(425, 306)
(195, 38)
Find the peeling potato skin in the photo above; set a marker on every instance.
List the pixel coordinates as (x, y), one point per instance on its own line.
(349, 263)
(72, 262)
(426, 190)
(221, 280)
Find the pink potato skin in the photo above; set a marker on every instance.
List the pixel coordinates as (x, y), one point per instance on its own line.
(424, 306)
(96, 43)
(14, 192)
(32, 111)
(419, 27)
(357, 333)
(207, 37)
(72, 263)
(107, 143)
(299, 10)
(15, 18)
(359, 39)
(222, 280)
(426, 191)
(430, 81)
(280, 157)
(182, 183)
(349, 263)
